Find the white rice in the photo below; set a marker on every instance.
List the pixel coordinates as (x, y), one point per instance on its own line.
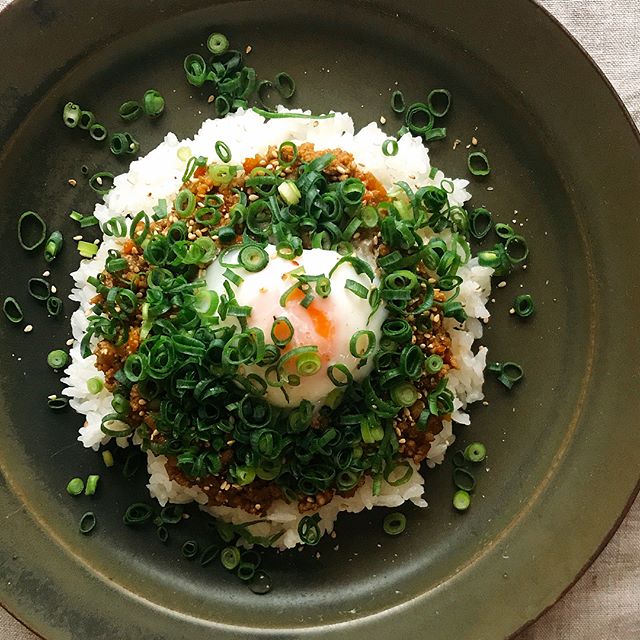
(158, 175)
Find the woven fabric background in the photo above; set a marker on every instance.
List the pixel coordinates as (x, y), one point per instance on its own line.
(605, 603)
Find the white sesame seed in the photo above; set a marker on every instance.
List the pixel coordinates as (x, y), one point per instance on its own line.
(72, 182)
(54, 289)
(502, 284)
(46, 274)
(69, 342)
(383, 120)
(28, 328)
(78, 237)
(53, 396)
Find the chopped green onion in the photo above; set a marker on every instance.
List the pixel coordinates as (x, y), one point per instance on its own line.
(92, 485)
(39, 288)
(288, 114)
(245, 571)
(281, 324)
(463, 479)
(523, 305)
(308, 364)
(190, 549)
(12, 310)
(137, 514)
(185, 203)
(433, 364)
(308, 530)
(38, 231)
(71, 114)
(478, 163)
(516, 249)
(390, 147)
(98, 132)
(458, 459)
(130, 110)
(195, 69)
(404, 394)
(362, 344)
(436, 133)
(461, 500)
(345, 377)
(475, 452)
(418, 118)
(509, 373)
(75, 486)
(97, 180)
(480, 222)
(53, 246)
(57, 404)
(230, 558)
(217, 43)
(86, 120)
(153, 103)
(163, 534)
(397, 102)
(439, 102)
(285, 85)
(289, 192)
(356, 287)
(503, 231)
(116, 226)
(87, 523)
(222, 151)
(57, 359)
(54, 305)
(107, 458)
(253, 258)
(394, 523)
(87, 249)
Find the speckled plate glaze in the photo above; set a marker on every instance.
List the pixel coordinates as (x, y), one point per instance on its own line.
(564, 446)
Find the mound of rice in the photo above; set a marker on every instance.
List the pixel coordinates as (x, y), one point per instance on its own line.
(158, 175)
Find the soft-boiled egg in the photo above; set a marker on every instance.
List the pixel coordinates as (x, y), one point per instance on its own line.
(328, 323)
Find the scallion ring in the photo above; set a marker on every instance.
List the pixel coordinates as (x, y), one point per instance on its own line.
(461, 500)
(53, 246)
(439, 102)
(12, 310)
(478, 163)
(394, 523)
(130, 110)
(153, 103)
(86, 120)
(97, 182)
(397, 102)
(362, 344)
(217, 43)
(39, 288)
(285, 85)
(222, 151)
(464, 479)
(390, 147)
(32, 230)
(475, 452)
(87, 523)
(98, 132)
(57, 359)
(253, 258)
(71, 114)
(523, 305)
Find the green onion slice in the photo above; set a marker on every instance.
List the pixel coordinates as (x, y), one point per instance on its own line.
(32, 225)
(87, 523)
(362, 344)
(461, 500)
(475, 452)
(394, 523)
(523, 305)
(153, 103)
(53, 246)
(478, 163)
(439, 102)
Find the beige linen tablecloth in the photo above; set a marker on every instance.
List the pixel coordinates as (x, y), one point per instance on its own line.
(605, 603)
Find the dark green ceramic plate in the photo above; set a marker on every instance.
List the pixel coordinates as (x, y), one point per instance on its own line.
(564, 446)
